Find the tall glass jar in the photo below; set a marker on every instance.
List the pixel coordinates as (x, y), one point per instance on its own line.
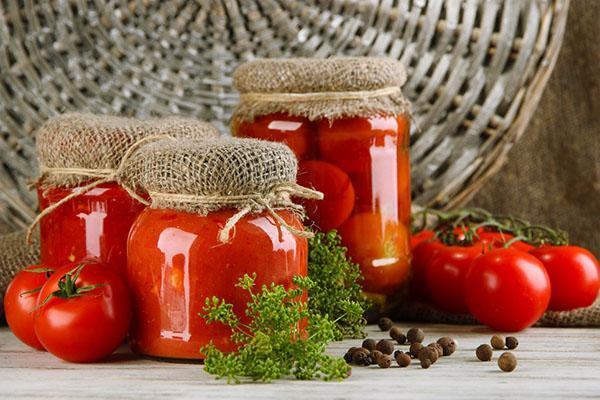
(362, 167)
(176, 262)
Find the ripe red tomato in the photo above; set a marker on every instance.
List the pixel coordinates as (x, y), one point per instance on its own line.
(445, 276)
(295, 132)
(84, 312)
(381, 248)
(421, 236)
(499, 239)
(422, 255)
(507, 289)
(20, 301)
(338, 200)
(574, 275)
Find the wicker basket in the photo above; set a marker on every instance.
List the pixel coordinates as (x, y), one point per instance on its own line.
(476, 70)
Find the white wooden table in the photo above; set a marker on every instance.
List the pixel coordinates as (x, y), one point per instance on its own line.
(553, 363)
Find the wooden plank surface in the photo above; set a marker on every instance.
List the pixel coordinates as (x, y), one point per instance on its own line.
(553, 363)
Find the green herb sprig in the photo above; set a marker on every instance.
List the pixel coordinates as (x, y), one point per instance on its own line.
(281, 339)
(334, 288)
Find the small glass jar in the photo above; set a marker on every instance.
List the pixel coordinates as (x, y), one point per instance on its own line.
(94, 224)
(362, 166)
(176, 262)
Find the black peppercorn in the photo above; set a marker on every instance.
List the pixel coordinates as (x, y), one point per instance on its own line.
(497, 342)
(429, 353)
(402, 359)
(414, 349)
(507, 362)
(385, 324)
(385, 361)
(437, 347)
(397, 335)
(448, 344)
(511, 342)
(375, 354)
(415, 335)
(484, 352)
(348, 357)
(369, 344)
(385, 346)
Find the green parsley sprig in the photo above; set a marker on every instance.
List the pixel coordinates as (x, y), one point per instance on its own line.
(334, 288)
(281, 339)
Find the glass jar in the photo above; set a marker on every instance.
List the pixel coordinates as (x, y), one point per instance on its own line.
(94, 224)
(176, 262)
(362, 167)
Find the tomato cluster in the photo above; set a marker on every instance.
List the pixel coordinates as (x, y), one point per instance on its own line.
(505, 280)
(80, 312)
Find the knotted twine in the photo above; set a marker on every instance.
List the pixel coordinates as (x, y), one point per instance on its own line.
(200, 176)
(321, 88)
(86, 149)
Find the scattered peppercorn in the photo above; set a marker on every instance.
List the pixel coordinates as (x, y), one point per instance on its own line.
(385, 324)
(484, 352)
(437, 347)
(375, 354)
(348, 357)
(402, 359)
(426, 363)
(512, 342)
(428, 353)
(385, 346)
(507, 362)
(448, 344)
(361, 357)
(369, 344)
(397, 335)
(414, 349)
(415, 335)
(385, 361)
(497, 342)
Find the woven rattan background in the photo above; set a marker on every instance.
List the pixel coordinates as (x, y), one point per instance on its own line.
(476, 70)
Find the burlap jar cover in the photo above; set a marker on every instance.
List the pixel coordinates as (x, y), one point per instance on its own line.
(200, 176)
(86, 150)
(321, 88)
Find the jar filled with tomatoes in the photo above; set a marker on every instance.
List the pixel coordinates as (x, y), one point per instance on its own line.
(219, 210)
(348, 123)
(86, 210)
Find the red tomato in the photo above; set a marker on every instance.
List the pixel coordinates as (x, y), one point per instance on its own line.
(574, 275)
(88, 318)
(419, 237)
(20, 301)
(445, 276)
(381, 247)
(499, 239)
(507, 289)
(338, 191)
(422, 255)
(295, 132)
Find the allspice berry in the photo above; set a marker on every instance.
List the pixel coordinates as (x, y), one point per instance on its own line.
(385, 346)
(428, 353)
(397, 335)
(402, 359)
(437, 347)
(414, 349)
(426, 363)
(350, 353)
(375, 354)
(415, 335)
(484, 352)
(448, 344)
(512, 342)
(497, 342)
(507, 362)
(361, 357)
(384, 361)
(385, 324)
(369, 344)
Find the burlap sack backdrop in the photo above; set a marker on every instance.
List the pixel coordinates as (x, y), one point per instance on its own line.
(202, 176)
(320, 88)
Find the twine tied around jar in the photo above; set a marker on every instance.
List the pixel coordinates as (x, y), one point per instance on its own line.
(320, 96)
(100, 177)
(278, 198)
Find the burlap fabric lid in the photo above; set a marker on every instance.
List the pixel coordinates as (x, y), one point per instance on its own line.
(74, 148)
(320, 88)
(201, 176)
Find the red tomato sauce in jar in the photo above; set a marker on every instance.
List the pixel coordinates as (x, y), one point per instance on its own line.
(176, 262)
(362, 167)
(94, 224)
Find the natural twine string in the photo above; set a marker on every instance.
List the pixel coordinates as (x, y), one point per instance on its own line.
(102, 175)
(319, 96)
(278, 197)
